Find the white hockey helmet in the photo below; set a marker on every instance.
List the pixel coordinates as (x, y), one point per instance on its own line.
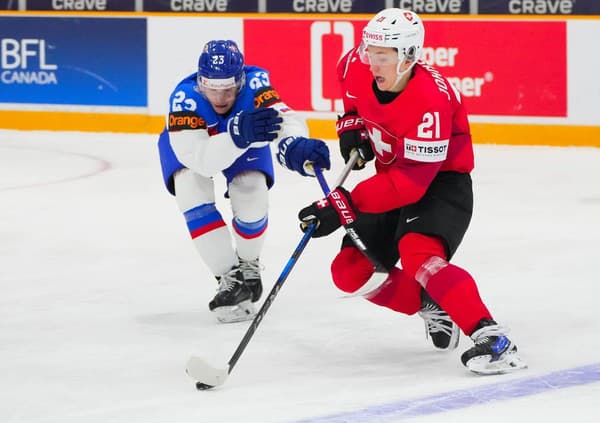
(397, 28)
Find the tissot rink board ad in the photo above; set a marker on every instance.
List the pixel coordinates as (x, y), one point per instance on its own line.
(75, 61)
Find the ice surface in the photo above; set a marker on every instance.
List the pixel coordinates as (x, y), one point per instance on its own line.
(103, 298)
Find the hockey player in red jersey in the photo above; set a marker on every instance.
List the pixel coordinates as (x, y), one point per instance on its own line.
(414, 211)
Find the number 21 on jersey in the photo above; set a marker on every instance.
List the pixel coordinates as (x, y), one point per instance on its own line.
(429, 128)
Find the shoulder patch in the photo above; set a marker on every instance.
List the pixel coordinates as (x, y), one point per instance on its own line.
(426, 151)
(266, 97)
(179, 121)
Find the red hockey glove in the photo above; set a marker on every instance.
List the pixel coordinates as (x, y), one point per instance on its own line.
(354, 136)
(329, 213)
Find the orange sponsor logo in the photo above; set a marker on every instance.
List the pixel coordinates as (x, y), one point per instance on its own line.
(185, 121)
(266, 98)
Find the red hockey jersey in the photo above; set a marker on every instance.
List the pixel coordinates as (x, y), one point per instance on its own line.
(422, 132)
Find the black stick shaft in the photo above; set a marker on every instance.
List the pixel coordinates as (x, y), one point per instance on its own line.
(354, 236)
(271, 297)
(281, 280)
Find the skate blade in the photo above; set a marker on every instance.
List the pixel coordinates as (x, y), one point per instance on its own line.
(237, 313)
(509, 363)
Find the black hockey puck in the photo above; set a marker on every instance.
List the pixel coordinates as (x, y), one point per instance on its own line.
(203, 386)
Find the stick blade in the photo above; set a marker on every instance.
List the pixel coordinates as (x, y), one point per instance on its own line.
(205, 375)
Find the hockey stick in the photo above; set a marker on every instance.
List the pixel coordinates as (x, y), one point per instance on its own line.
(358, 243)
(207, 376)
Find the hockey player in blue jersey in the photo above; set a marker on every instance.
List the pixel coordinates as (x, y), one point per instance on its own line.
(222, 120)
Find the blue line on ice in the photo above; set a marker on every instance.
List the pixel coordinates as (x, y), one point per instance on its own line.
(464, 398)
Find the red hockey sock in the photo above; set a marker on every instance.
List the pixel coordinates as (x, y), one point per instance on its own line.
(399, 292)
(456, 292)
(424, 258)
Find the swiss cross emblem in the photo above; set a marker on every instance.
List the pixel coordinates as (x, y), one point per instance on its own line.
(383, 144)
(408, 16)
(322, 203)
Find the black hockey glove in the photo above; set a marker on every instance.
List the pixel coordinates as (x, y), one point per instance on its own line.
(328, 213)
(248, 126)
(354, 136)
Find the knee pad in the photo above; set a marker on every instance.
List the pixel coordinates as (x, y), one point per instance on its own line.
(249, 196)
(193, 190)
(415, 249)
(351, 270)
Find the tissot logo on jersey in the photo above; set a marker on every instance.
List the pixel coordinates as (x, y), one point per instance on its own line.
(266, 97)
(178, 121)
(426, 151)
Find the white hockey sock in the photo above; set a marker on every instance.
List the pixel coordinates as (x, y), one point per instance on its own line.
(196, 199)
(249, 203)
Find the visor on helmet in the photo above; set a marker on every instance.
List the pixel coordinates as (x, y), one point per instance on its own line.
(377, 59)
(218, 84)
(220, 88)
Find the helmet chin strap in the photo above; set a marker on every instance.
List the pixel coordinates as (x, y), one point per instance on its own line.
(401, 74)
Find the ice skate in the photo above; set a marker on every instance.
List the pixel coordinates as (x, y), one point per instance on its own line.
(233, 300)
(444, 333)
(493, 353)
(251, 272)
